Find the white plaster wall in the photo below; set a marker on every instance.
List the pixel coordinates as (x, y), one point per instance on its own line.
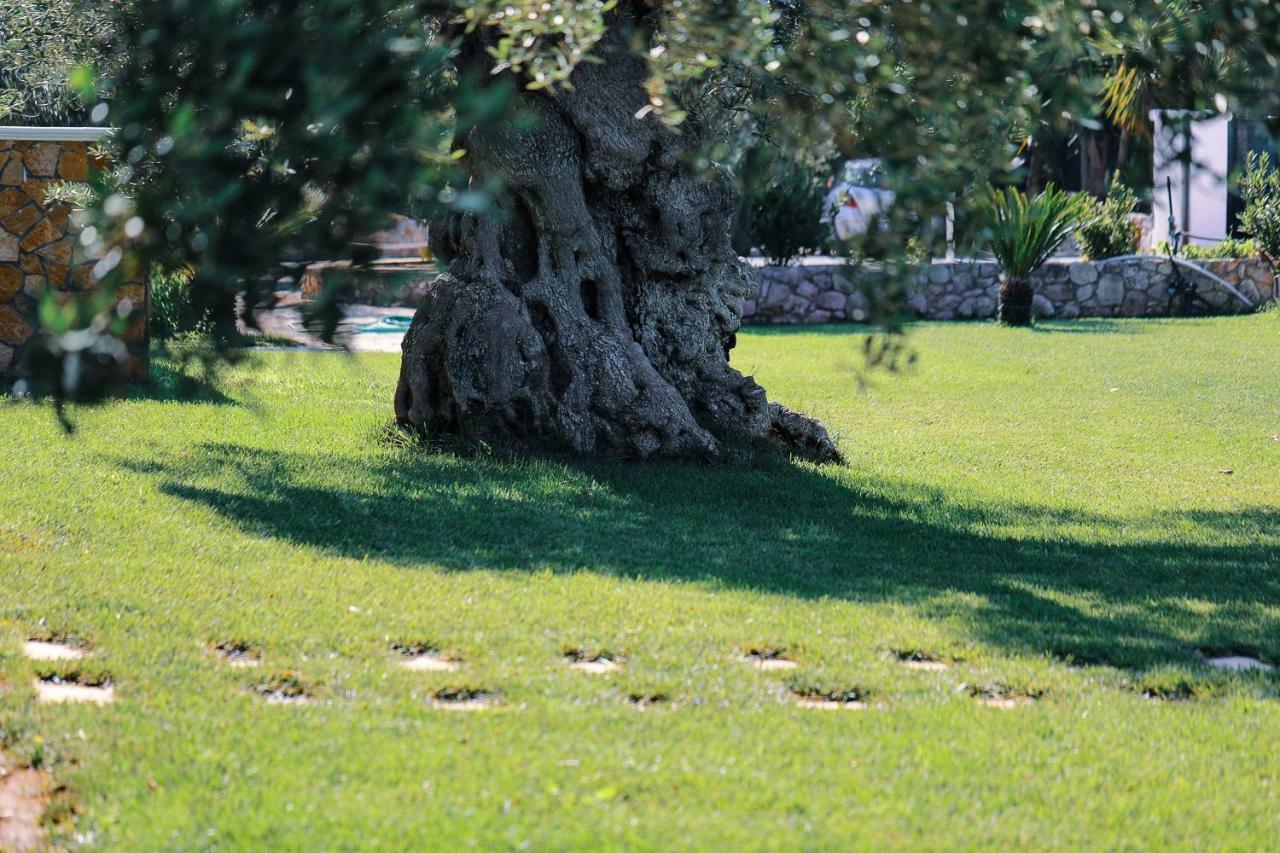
(1199, 182)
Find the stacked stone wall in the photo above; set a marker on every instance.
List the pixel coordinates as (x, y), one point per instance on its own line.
(967, 290)
(39, 249)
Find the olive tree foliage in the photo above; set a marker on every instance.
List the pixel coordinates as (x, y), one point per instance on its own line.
(42, 43)
(573, 155)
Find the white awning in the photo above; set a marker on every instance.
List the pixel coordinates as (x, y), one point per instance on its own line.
(52, 134)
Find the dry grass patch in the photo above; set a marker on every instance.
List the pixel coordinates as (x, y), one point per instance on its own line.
(25, 794)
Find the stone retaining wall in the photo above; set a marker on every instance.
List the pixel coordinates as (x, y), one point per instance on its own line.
(39, 251)
(962, 290)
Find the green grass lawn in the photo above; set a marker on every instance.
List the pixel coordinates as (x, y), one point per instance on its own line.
(1046, 510)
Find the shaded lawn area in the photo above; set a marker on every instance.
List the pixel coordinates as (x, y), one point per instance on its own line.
(1049, 511)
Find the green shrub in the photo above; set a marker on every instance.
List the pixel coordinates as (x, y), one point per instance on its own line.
(173, 312)
(780, 211)
(1260, 189)
(1108, 230)
(1229, 249)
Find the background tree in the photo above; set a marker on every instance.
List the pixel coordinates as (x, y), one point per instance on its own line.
(42, 42)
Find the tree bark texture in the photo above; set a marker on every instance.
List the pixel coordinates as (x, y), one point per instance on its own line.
(594, 310)
(1016, 301)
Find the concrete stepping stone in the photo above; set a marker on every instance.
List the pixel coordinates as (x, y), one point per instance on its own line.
(431, 663)
(925, 665)
(645, 701)
(283, 689)
(1239, 663)
(24, 796)
(595, 664)
(920, 660)
(56, 690)
(464, 699)
(51, 650)
(1178, 692)
(999, 696)
(422, 657)
(830, 700)
(238, 655)
(770, 659)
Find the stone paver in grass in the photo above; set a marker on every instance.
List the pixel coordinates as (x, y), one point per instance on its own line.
(1239, 663)
(284, 688)
(918, 659)
(24, 796)
(464, 699)
(1000, 695)
(424, 657)
(239, 655)
(594, 663)
(770, 658)
(829, 700)
(60, 689)
(51, 650)
(645, 701)
(1179, 691)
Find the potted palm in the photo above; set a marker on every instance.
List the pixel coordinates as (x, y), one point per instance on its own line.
(1023, 232)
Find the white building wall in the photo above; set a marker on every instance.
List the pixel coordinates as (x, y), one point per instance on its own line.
(1192, 153)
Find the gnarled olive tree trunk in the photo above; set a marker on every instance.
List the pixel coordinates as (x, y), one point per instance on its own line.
(592, 312)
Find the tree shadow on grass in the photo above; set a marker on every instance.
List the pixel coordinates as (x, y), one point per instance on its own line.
(1058, 584)
(168, 382)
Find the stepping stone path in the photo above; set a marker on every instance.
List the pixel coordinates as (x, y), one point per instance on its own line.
(1240, 663)
(24, 796)
(56, 690)
(770, 659)
(595, 664)
(464, 699)
(49, 650)
(424, 658)
(849, 700)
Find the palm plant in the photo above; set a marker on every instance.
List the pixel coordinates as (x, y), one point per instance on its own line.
(1023, 232)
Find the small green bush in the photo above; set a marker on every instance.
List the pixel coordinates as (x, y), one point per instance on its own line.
(1229, 249)
(1260, 189)
(780, 211)
(1108, 229)
(173, 312)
